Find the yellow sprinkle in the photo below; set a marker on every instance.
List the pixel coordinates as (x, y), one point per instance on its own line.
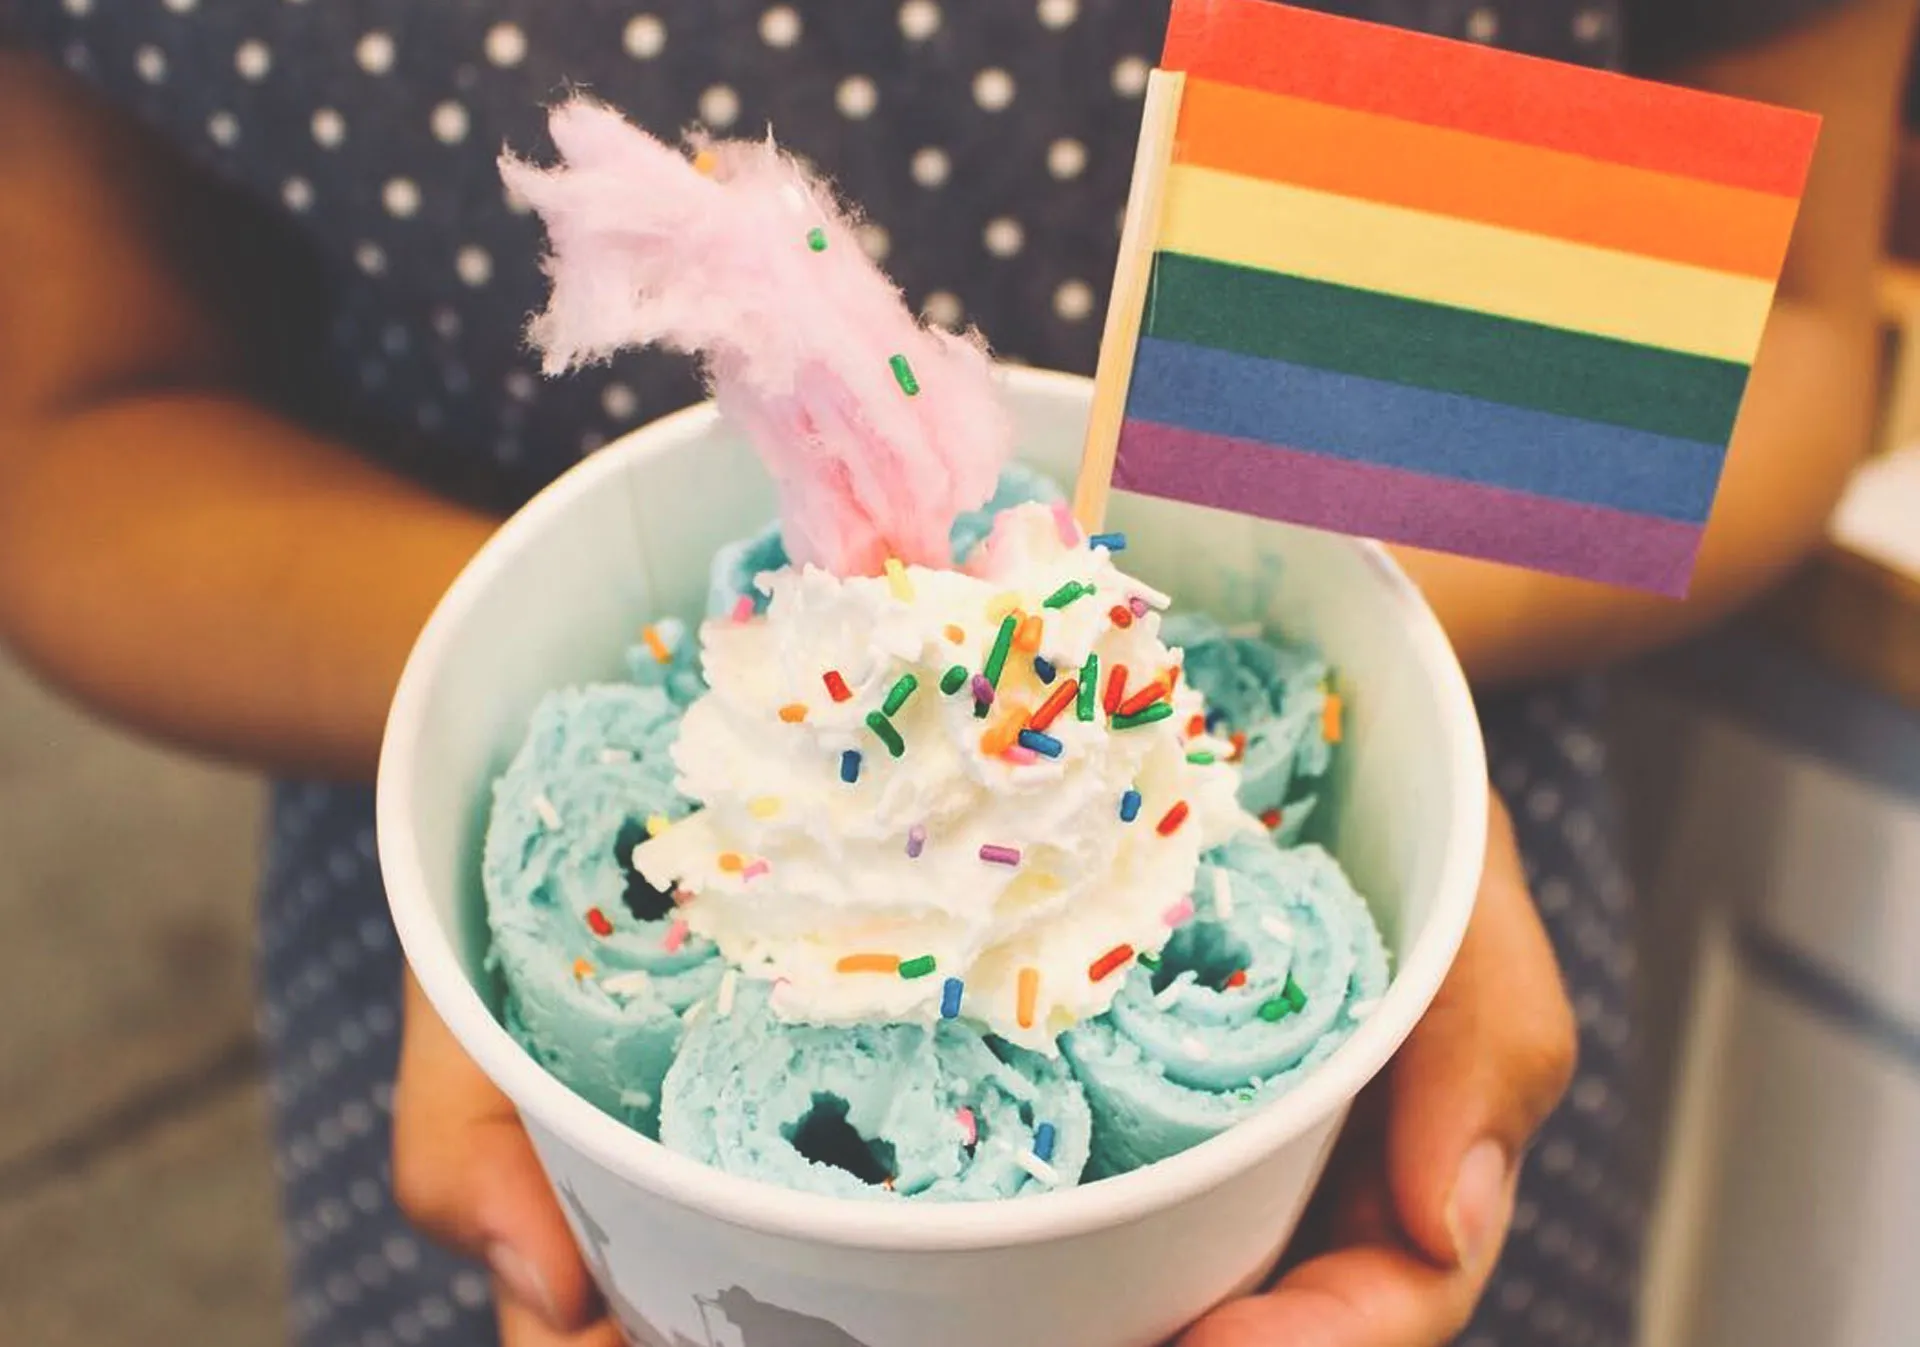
(1046, 882)
(897, 580)
(764, 806)
(656, 645)
(657, 824)
(582, 969)
(793, 713)
(731, 863)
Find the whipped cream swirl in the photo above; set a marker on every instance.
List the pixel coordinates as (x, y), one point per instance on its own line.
(879, 840)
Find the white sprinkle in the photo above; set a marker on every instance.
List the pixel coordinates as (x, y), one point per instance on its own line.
(1037, 1167)
(692, 1012)
(1361, 1010)
(723, 999)
(1222, 896)
(613, 757)
(1278, 927)
(634, 983)
(1169, 995)
(548, 814)
(635, 1099)
(1194, 1048)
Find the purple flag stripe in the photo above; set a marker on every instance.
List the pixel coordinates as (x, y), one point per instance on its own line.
(1586, 541)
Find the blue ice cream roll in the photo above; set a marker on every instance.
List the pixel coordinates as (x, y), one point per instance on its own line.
(1278, 965)
(1275, 696)
(877, 1112)
(597, 966)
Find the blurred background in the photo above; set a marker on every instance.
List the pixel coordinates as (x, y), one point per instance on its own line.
(1773, 784)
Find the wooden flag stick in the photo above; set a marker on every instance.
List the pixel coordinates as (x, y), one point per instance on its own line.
(1127, 305)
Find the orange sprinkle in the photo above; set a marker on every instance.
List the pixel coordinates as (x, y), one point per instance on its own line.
(581, 969)
(1173, 678)
(955, 634)
(1239, 741)
(1142, 699)
(1062, 697)
(1002, 735)
(1116, 688)
(1196, 727)
(1120, 615)
(656, 645)
(1330, 718)
(869, 963)
(1105, 965)
(793, 713)
(731, 863)
(1029, 994)
(1239, 978)
(704, 163)
(1027, 638)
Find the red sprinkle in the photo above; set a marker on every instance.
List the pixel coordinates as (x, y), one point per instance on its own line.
(836, 685)
(1062, 698)
(598, 921)
(1170, 823)
(1196, 727)
(1120, 616)
(1141, 700)
(1104, 966)
(1270, 820)
(1239, 979)
(1116, 688)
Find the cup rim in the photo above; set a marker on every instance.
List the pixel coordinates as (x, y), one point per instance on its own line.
(919, 1227)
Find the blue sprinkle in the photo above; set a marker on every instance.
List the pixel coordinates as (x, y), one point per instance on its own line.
(1045, 669)
(1130, 806)
(1113, 542)
(1043, 1142)
(1215, 718)
(950, 998)
(1044, 744)
(850, 766)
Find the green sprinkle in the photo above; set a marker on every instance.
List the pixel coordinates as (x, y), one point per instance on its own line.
(953, 679)
(817, 239)
(1295, 998)
(980, 710)
(1245, 1096)
(897, 695)
(1089, 679)
(889, 736)
(1002, 642)
(1158, 711)
(1149, 960)
(1200, 759)
(903, 375)
(1276, 1010)
(917, 968)
(1068, 593)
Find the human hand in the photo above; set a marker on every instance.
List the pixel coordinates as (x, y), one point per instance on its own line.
(1415, 1206)
(465, 1173)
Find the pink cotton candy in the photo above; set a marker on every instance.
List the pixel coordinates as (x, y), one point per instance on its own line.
(797, 342)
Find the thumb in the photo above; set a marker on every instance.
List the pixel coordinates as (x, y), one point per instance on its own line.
(466, 1174)
(1481, 1072)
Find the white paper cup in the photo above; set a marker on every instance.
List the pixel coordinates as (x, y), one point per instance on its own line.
(687, 1255)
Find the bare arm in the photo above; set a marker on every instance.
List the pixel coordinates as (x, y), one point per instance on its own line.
(1810, 409)
(171, 551)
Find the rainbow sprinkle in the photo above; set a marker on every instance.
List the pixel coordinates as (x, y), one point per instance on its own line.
(582, 969)
(675, 937)
(954, 679)
(955, 635)
(868, 963)
(817, 239)
(1113, 542)
(1000, 737)
(1141, 700)
(897, 694)
(549, 816)
(1275, 1010)
(1201, 759)
(1044, 744)
(755, 870)
(1170, 822)
(1137, 605)
(897, 580)
(656, 645)
(1295, 994)
(1270, 820)
(1089, 688)
(1236, 979)
(994, 854)
(1130, 806)
(1028, 994)
(1120, 616)
(917, 968)
(916, 840)
(1105, 966)
(731, 863)
(1071, 592)
(836, 686)
(1043, 669)
(793, 713)
(950, 992)
(1043, 1137)
(743, 608)
(969, 1127)
(1116, 688)
(982, 691)
(1002, 643)
(597, 922)
(850, 766)
(1055, 703)
(1330, 718)
(1158, 711)
(903, 375)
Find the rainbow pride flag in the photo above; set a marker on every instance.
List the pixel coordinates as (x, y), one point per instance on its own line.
(1430, 292)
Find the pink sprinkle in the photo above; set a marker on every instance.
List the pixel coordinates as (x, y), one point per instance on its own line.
(970, 1127)
(916, 841)
(754, 871)
(998, 855)
(1139, 606)
(1020, 756)
(1180, 913)
(1063, 521)
(676, 937)
(743, 608)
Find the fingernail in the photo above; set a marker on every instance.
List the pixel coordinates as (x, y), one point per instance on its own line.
(522, 1281)
(1474, 1217)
